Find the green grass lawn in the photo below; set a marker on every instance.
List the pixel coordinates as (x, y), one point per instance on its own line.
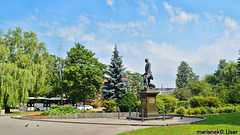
(229, 121)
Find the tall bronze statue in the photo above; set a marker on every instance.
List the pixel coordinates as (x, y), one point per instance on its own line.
(148, 75)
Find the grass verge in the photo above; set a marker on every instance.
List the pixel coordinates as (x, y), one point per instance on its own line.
(225, 122)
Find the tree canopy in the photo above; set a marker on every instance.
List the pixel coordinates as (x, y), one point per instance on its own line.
(83, 74)
(23, 63)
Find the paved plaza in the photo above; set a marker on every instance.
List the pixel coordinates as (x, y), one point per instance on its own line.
(89, 126)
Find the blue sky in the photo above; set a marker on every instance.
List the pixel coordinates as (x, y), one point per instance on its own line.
(167, 32)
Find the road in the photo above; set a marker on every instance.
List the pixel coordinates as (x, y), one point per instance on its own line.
(9, 126)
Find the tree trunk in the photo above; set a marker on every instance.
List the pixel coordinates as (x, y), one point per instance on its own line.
(7, 109)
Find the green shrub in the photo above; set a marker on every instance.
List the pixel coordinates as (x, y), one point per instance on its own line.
(129, 101)
(214, 110)
(54, 107)
(190, 111)
(203, 110)
(212, 102)
(178, 110)
(139, 105)
(110, 105)
(209, 109)
(228, 109)
(96, 105)
(197, 102)
(221, 110)
(229, 105)
(185, 104)
(196, 111)
(160, 106)
(61, 110)
(169, 102)
(235, 109)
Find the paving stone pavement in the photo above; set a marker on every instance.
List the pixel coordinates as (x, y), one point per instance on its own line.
(89, 126)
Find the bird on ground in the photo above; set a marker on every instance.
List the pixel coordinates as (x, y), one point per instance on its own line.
(26, 125)
(37, 125)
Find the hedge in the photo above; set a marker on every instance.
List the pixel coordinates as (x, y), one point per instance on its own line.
(185, 104)
(209, 110)
(202, 102)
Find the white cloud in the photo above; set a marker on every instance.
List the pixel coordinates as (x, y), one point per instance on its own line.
(143, 8)
(178, 16)
(36, 10)
(84, 19)
(231, 23)
(219, 17)
(151, 19)
(154, 7)
(73, 33)
(110, 2)
(118, 26)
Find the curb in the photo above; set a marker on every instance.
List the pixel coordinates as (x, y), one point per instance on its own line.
(127, 124)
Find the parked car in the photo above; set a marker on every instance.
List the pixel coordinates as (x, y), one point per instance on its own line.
(85, 107)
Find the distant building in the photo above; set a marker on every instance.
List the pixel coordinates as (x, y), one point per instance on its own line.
(165, 91)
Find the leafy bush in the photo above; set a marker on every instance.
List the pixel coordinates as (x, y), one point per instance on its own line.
(201, 102)
(203, 110)
(110, 105)
(129, 101)
(214, 110)
(169, 102)
(197, 102)
(61, 110)
(160, 105)
(212, 102)
(138, 105)
(96, 105)
(209, 109)
(189, 111)
(221, 110)
(185, 104)
(196, 111)
(178, 110)
(229, 105)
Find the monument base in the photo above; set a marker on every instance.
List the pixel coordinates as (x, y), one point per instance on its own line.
(148, 103)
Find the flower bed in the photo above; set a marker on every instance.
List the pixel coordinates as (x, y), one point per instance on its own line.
(35, 116)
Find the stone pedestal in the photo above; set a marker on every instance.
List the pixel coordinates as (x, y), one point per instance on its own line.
(148, 100)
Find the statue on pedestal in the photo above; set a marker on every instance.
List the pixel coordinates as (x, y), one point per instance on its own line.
(148, 75)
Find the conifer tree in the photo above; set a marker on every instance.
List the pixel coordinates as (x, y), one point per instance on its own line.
(117, 84)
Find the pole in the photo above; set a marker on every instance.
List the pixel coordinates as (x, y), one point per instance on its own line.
(136, 112)
(163, 114)
(181, 112)
(118, 113)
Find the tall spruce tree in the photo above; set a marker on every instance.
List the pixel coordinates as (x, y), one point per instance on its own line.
(117, 84)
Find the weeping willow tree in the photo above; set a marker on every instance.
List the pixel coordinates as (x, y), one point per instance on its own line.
(22, 67)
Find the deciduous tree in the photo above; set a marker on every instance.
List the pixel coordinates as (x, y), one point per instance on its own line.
(83, 74)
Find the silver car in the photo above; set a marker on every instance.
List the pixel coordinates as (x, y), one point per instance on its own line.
(85, 107)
